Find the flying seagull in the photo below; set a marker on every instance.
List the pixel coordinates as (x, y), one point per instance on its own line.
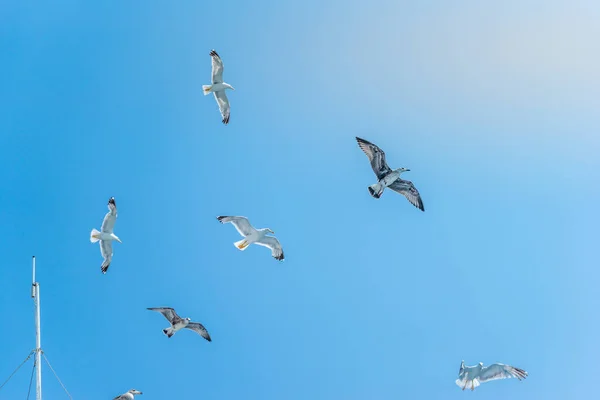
(106, 235)
(388, 177)
(218, 86)
(477, 374)
(128, 396)
(252, 235)
(178, 323)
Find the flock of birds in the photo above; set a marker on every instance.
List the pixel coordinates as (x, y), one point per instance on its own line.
(468, 377)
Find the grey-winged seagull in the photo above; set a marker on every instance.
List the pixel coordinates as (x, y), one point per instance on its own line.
(128, 396)
(178, 323)
(218, 87)
(252, 235)
(471, 377)
(387, 177)
(106, 235)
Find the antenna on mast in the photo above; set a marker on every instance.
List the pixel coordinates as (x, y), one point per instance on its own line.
(35, 294)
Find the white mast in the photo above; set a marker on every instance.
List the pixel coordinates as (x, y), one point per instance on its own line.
(35, 293)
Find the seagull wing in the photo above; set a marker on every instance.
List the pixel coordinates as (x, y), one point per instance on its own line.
(168, 312)
(241, 224)
(500, 371)
(200, 329)
(111, 216)
(376, 157)
(217, 68)
(223, 103)
(121, 397)
(408, 190)
(107, 252)
(273, 244)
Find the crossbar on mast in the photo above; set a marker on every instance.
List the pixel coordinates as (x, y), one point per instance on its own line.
(35, 293)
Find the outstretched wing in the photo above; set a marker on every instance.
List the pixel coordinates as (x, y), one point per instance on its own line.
(500, 371)
(200, 329)
(168, 312)
(107, 252)
(273, 244)
(217, 68)
(241, 224)
(223, 103)
(111, 216)
(376, 157)
(408, 190)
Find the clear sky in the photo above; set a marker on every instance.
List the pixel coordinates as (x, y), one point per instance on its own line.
(493, 106)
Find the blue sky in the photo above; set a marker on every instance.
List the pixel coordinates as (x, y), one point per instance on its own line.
(493, 107)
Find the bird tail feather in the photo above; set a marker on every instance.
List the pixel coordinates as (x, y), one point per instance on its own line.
(242, 244)
(206, 89)
(169, 332)
(376, 190)
(94, 235)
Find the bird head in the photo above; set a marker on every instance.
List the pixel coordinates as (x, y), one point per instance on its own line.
(270, 231)
(188, 319)
(117, 238)
(134, 392)
(401, 170)
(230, 87)
(480, 364)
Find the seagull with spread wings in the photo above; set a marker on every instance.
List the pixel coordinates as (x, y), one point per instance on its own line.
(218, 86)
(477, 374)
(387, 177)
(128, 396)
(106, 235)
(253, 235)
(178, 323)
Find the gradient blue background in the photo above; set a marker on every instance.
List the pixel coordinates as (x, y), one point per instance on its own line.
(493, 107)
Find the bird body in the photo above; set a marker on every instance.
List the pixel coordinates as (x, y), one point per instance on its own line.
(472, 377)
(252, 235)
(106, 235)
(129, 395)
(97, 235)
(217, 87)
(386, 177)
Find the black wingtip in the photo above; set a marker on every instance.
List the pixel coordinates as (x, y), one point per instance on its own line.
(221, 218)
(213, 53)
(226, 120)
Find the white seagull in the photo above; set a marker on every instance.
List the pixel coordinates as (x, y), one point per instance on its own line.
(218, 86)
(388, 177)
(477, 374)
(178, 323)
(128, 396)
(252, 235)
(106, 235)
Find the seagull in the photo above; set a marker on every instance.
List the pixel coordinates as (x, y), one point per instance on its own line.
(388, 177)
(128, 396)
(252, 235)
(218, 86)
(178, 323)
(478, 374)
(106, 236)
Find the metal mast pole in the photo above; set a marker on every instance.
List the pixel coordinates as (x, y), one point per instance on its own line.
(35, 293)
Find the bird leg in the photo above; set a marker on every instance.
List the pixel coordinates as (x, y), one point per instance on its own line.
(472, 385)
